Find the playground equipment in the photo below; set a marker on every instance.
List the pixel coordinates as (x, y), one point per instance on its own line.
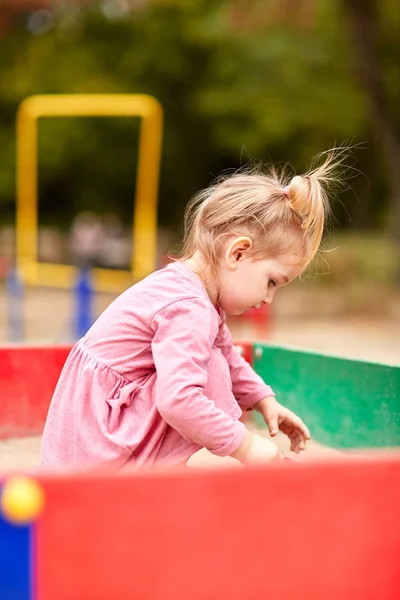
(144, 227)
(15, 299)
(322, 530)
(84, 316)
(27, 270)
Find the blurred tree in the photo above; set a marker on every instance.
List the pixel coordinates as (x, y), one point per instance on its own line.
(366, 29)
(237, 79)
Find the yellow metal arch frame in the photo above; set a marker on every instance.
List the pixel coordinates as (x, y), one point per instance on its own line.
(144, 230)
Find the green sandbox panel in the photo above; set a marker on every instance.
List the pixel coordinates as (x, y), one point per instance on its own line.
(345, 403)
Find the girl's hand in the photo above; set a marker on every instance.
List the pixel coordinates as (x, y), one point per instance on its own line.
(257, 449)
(278, 417)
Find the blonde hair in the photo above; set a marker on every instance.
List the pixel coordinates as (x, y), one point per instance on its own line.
(279, 213)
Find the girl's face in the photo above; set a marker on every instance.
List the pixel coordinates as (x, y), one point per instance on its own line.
(246, 282)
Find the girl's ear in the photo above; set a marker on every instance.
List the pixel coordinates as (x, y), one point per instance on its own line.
(237, 250)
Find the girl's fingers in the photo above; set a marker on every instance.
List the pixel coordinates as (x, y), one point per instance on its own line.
(298, 433)
(295, 444)
(301, 428)
(273, 424)
(293, 436)
(298, 442)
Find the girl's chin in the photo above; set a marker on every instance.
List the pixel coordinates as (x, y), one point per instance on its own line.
(234, 312)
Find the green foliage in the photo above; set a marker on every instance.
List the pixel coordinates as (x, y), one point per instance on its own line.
(363, 258)
(278, 92)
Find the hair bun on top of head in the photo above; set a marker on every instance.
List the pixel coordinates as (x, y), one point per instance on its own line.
(249, 202)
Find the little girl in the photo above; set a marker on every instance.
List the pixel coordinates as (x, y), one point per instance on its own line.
(157, 377)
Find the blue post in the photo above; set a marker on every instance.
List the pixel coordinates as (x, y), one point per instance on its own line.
(16, 561)
(15, 309)
(83, 303)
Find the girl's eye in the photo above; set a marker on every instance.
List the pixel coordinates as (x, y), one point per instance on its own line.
(272, 282)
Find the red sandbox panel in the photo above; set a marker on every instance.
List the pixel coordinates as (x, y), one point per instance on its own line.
(28, 376)
(320, 531)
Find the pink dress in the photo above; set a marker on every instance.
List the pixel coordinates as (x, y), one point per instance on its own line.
(154, 380)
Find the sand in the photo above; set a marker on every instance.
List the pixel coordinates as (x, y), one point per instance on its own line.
(23, 454)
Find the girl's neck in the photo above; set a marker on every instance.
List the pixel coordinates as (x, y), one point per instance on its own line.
(198, 266)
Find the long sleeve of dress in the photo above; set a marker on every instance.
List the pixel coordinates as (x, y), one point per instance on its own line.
(248, 387)
(184, 335)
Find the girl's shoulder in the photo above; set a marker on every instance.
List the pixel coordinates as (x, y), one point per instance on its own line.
(172, 284)
(177, 294)
(172, 294)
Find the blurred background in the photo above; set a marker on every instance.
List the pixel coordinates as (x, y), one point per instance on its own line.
(239, 80)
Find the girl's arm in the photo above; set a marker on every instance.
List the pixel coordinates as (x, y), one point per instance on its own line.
(251, 392)
(248, 387)
(183, 337)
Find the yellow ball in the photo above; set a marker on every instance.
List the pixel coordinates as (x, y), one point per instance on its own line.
(22, 500)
